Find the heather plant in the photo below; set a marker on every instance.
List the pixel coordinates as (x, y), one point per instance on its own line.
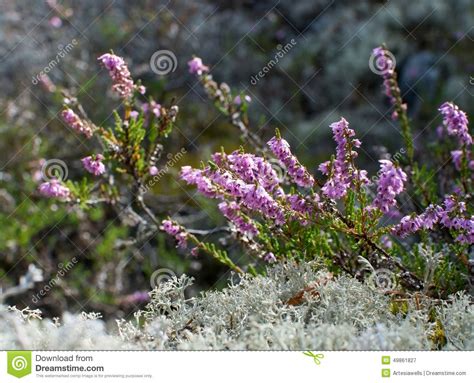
(276, 208)
(125, 167)
(345, 218)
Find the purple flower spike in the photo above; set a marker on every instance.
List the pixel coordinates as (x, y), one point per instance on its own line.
(297, 172)
(391, 183)
(118, 71)
(456, 123)
(341, 171)
(172, 228)
(73, 120)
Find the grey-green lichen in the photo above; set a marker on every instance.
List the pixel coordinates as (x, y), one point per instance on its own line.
(254, 313)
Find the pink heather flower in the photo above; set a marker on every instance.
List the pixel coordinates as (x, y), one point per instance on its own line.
(304, 206)
(55, 22)
(257, 199)
(296, 171)
(195, 251)
(408, 225)
(456, 123)
(383, 61)
(431, 216)
(341, 171)
(118, 71)
(153, 171)
(141, 89)
(451, 215)
(325, 167)
(176, 231)
(197, 67)
(231, 210)
(269, 257)
(251, 169)
(220, 182)
(182, 239)
(300, 204)
(385, 66)
(203, 183)
(134, 114)
(73, 120)
(54, 189)
(390, 184)
(170, 227)
(93, 164)
(238, 100)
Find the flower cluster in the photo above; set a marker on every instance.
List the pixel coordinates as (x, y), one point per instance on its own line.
(118, 71)
(342, 171)
(93, 164)
(251, 169)
(390, 184)
(385, 65)
(249, 185)
(451, 215)
(456, 123)
(73, 120)
(305, 206)
(231, 210)
(298, 173)
(240, 180)
(197, 67)
(54, 189)
(175, 230)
